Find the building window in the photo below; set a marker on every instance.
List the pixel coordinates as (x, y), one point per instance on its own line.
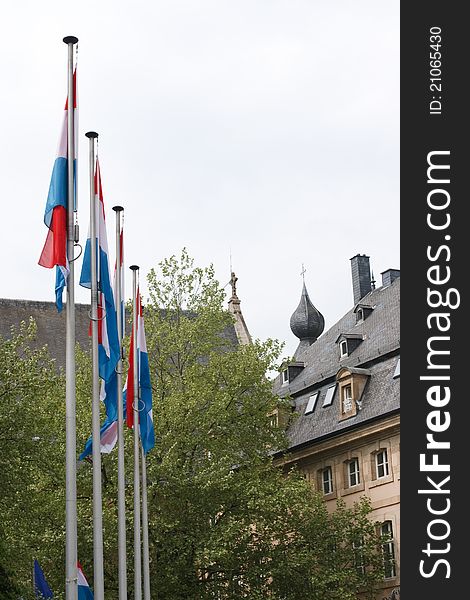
(285, 376)
(329, 396)
(273, 420)
(359, 315)
(311, 403)
(343, 348)
(354, 477)
(346, 392)
(397, 370)
(388, 550)
(327, 480)
(381, 463)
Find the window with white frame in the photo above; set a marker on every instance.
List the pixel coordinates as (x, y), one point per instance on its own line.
(343, 348)
(330, 392)
(285, 376)
(311, 403)
(327, 480)
(354, 477)
(388, 550)
(359, 315)
(397, 370)
(381, 463)
(346, 392)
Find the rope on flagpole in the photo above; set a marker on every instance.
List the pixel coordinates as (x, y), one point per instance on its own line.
(76, 245)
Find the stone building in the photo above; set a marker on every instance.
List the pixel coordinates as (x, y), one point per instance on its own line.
(51, 324)
(344, 385)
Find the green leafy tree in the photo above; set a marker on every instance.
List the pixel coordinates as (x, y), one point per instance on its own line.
(224, 521)
(31, 440)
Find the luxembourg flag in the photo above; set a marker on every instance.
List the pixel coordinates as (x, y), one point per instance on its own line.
(144, 402)
(122, 312)
(109, 429)
(54, 252)
(84, 591)
(108, 342)
(108, 391)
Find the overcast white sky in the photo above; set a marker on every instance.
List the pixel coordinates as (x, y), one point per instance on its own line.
(268, 128)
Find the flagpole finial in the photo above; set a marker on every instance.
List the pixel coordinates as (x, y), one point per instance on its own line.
(91, 134)
(134, 267)
(70, 39)
(118, 208)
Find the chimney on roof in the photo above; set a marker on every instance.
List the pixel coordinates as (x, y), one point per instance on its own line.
(361, 279)
(389, 276)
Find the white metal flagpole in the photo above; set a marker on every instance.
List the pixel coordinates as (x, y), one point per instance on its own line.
(122, 574)
(71, 574)
(137, 537)
(98, 570)
(145, 530)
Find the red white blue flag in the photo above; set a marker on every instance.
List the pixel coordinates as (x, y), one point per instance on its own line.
(121, 311)
(144, 401)
(54, 253)
(108, 431)
(108, 341)
(108, 392)
(84, 590)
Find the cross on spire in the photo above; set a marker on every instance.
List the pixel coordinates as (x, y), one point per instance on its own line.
(304, 270)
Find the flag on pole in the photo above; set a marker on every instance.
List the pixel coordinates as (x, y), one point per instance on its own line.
(84, 590)
(144, 402)
(41, 588)
(54, 252)
(108, 391)
(108, 431)
(108, 341)
(120, 313)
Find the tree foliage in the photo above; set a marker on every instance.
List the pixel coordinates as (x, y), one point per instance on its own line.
(224, 522)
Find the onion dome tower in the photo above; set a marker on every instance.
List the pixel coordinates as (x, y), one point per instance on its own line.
(307, 323)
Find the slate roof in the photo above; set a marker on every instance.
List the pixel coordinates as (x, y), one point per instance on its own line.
(378, 352)
(50, 324)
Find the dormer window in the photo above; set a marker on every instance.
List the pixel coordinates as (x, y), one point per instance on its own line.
(351, 384)
(362, 312)
(347, 343)
(290, 372)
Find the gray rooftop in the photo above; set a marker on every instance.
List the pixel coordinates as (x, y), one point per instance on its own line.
(378, 352)
(51, 325)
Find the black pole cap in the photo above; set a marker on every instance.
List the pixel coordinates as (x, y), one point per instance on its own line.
(91, 134)
(70, 39)
(134, 267)
(118, 208)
